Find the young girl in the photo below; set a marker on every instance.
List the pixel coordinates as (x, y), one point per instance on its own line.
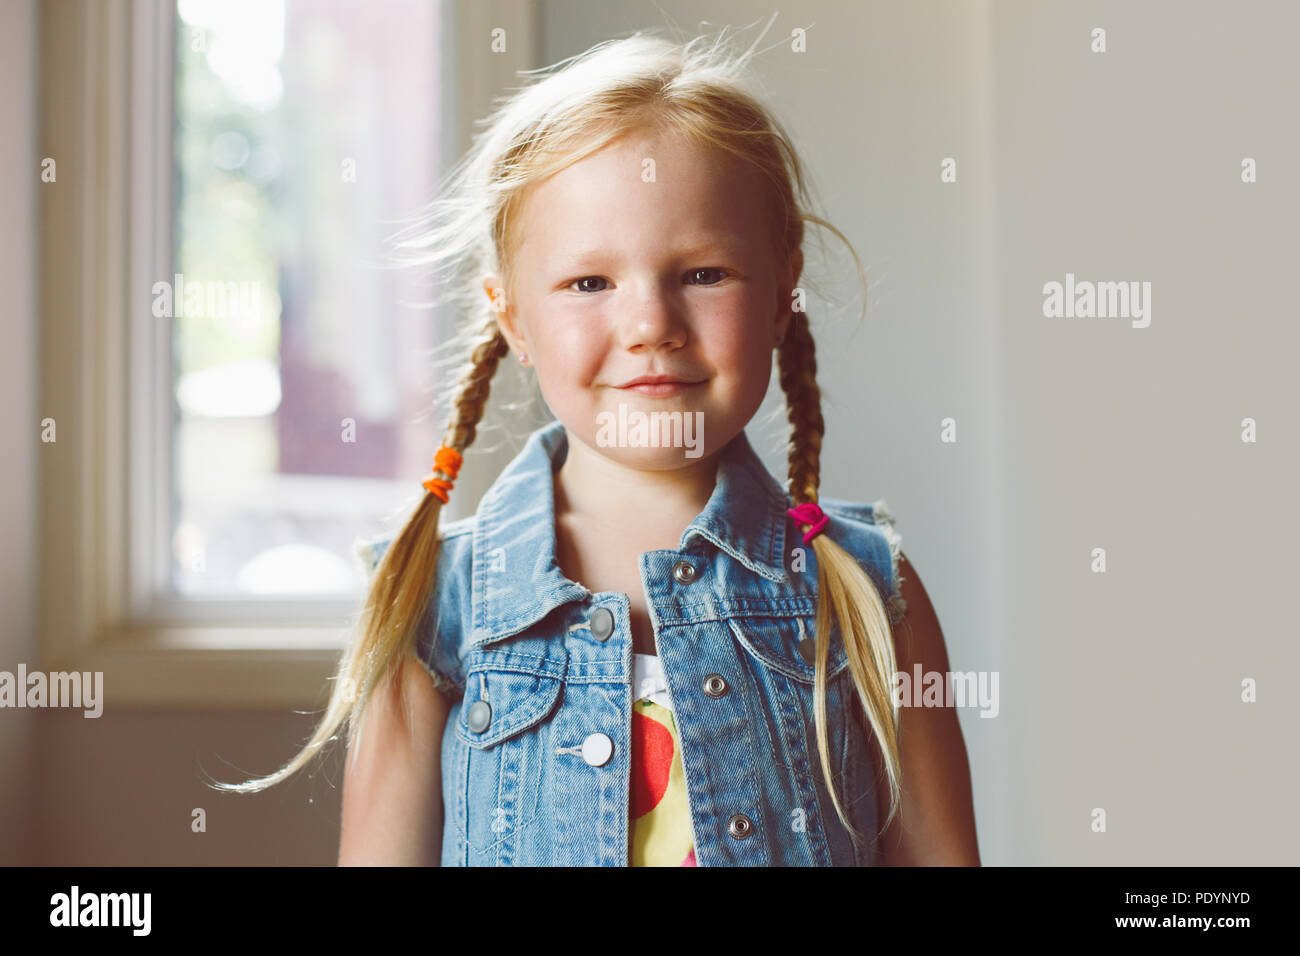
(641, 650)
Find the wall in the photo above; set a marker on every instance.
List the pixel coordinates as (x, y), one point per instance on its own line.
(18, 412)
(1127, 686)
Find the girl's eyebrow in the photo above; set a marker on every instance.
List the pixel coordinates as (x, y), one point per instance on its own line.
(718, 244)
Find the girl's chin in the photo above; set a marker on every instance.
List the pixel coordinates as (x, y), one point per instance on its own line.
(651, 437)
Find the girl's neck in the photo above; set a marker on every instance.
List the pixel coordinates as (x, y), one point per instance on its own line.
(602, 492)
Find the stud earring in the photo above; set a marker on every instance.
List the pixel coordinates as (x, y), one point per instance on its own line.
(523, 358)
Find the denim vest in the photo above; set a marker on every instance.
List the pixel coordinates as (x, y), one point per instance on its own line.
(536, 752)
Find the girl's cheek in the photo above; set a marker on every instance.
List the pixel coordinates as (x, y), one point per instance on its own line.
(582, 346)
(730, 339)
(577, 324)
(574, 355)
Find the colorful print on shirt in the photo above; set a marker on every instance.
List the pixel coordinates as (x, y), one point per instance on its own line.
(659, 816)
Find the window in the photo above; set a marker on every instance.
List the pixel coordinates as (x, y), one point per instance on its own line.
(302, 417)
(221, 445)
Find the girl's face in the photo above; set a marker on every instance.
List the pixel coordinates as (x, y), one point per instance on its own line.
(649, 258)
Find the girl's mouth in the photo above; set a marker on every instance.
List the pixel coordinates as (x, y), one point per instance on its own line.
(659, 389)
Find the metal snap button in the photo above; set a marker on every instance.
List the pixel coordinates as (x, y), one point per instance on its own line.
(479, 716)
(597, 749)
(602, 623)
(715, 685)
(684, 572)
(740, 826)
(808, 649)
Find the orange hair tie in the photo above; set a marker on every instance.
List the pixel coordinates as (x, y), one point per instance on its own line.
(438, 488)
(446, 461)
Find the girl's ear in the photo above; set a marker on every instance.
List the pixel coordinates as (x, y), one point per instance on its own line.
(782, 327)
(785, 307)
(505, 313)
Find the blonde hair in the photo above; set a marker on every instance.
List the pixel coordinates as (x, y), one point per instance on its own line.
(637, 82)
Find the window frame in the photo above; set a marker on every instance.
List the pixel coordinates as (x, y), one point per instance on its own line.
(107, 85)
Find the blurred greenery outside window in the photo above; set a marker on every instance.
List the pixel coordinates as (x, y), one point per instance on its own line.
(305, 130)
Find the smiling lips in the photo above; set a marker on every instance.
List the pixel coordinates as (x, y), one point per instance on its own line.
(658, 386)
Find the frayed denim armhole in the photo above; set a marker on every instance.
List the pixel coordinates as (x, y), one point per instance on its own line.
(884, 520)
(368, 554)
(444, 684)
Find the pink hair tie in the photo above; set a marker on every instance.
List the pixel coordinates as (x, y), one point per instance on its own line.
(809, 513)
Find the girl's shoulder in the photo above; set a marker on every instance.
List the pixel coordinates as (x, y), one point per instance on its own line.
(370, 551)
(872, 512)
(438, 645)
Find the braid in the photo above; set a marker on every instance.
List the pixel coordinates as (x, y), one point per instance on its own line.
(847, 596)
(474, 387)
(797, 361)
(401, 586)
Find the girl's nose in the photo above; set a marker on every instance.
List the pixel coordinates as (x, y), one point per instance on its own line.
(652, 321)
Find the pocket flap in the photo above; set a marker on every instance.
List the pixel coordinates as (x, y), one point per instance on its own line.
(518, 695)
(776, 643)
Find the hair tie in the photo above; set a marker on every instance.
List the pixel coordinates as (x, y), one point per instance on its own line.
(809, 513)
(446, 462)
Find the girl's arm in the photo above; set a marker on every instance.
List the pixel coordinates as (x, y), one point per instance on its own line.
(935, 824)
(392, 793)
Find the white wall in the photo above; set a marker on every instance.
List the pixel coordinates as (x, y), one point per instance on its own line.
(1127, 166)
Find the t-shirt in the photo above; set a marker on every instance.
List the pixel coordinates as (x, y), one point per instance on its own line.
(659, 817)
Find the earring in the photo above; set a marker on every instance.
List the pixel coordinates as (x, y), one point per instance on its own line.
(523, 358)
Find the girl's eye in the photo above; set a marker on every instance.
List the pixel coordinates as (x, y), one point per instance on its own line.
(579, 282)
(719, 275)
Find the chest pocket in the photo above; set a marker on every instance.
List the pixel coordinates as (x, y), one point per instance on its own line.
(781, 654)
(509, 694)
